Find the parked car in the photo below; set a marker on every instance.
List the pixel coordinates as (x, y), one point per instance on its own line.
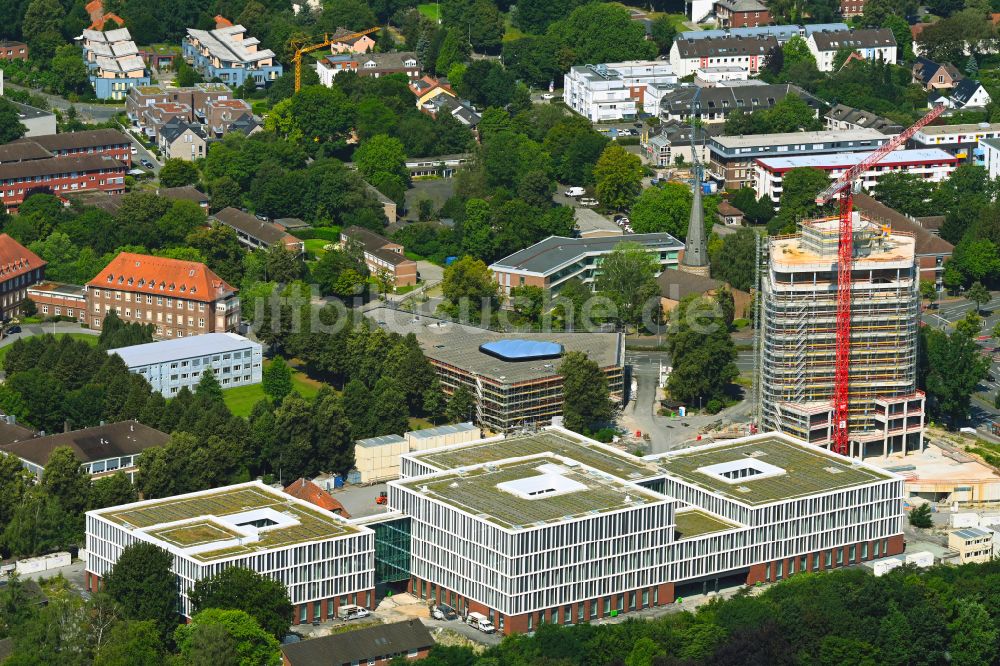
(587, 201)
(262, 218)
(575, 192)
(639, 125)
(13, 329)
(134, 149)
(547, 96)
(352, 612)
(444, 612)
(146, 163)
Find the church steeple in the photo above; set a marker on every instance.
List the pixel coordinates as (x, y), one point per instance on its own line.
(695, 258)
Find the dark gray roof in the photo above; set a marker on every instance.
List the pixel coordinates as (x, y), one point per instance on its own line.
(380, 640)
(82, 139)
(924, 69)
(11, 432)
(867, 119)
(291, 223)
(374, 244)
(742, 5)
(964, 91)
(548, 255)
(265, 232)
(187, 193)
(725, 46)
(748, 98)
(245, 123)
(859, 39)
(26, 111)
(676, 284)
(19, 151)
(124, 438)
(172, 130)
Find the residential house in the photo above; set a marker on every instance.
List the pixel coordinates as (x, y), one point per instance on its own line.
(113, 61)
(459, 109)
(714, 104)
(374, 646)
(969, 93)
(869, 43)
(381, 255)
(962, 140)
(181, 298)
(258, 234)
(210, 106)
(104, 142)
(427, 88)
(934, 76)
(185, 193)
(991, 156)
(749, 53)
(219, 115)
(101, 450)
(670, 142)
(183, 141)
(158, 114)
(12, 50)
(843, 117)
(974, 544)
(56, 299)
(613, 91)
(348, 41)
(20, 268)
(370, 64)
(741, 13)
(194, 98)
(851, 8)
(230, 55)
(729, 215)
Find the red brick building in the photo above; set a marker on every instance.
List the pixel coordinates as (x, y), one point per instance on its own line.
(55, 299)
(180, 298)
(741, 13)
(382, 255)
(19, 269)
(106, 142)
(10, 50)
(60, 176)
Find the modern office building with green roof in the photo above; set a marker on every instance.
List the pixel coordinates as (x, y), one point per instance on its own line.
(557, 528)
(324, 561)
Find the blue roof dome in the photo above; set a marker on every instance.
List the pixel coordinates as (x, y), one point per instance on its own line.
(521, 350)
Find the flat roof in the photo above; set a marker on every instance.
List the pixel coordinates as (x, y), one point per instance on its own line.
(532, 492)
(59, 288)
(791, 250)
(196, 523)
(179, 348)
(449, 429)
(557, 442)
(694, 522)
(783, 138)
(547, 256)
(381, 440)
(457, 345)
(806, 470)
(964, 128)
(841, 160)
(590, 220)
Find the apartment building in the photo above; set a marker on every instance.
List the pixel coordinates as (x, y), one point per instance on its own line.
(101, 450)
(13, 50)
(180, 298)
(20, 268)
(230, 55)
(182, 141)
(381, 255)
(731, 158)
(741, 13)
(149, 107)
(348, 41)
(843, 117)
(60, 176)
(886, 411)
(749, 53)
(322, 561)
(515, 383)
(56, 299)
(973, 544)
(613, 91)
(113, 61)
(258, 234)
(170, 365)
(870, 44)
(577, 531)
(551, 262)
(105, 142)
(962, 141)
(782, 33)
(369, 64)
(932, 164)
(717, 102)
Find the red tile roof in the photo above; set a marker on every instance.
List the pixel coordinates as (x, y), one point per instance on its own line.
(165, 277)
(304, 489)
(15, 259)
(222, 22)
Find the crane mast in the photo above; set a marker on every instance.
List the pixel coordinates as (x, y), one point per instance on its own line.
(843, 187)
(327, 40)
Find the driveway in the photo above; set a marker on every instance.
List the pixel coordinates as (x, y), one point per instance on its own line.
(87, 112)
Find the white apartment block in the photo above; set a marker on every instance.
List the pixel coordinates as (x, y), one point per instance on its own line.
(169, 365)
(613, 91)
(870, 44)
(931, 164)
(323, 561)
(687, 56)
(553, 527)
(991, 156)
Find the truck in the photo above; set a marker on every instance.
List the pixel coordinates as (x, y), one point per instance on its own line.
(351, 612)
(575, 192)
(480, 622)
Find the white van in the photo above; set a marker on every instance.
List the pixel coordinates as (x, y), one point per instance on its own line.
(575, 192)
(480, 622)
(352, 612)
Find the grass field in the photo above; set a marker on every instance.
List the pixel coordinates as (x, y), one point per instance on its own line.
(86, 337)
(431, 10)
(241, 399)
(314, 247)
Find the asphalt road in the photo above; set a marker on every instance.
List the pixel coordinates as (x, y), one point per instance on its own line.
(88, 112)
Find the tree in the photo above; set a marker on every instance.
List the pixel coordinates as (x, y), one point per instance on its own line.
(598, 32)
(905, 192)
(618, 175)
(247, 642)
(11, 128)
(434, 401)
(132, 643)
(798, 198)
(535, 16)
(73, 75)
(953, 368)
(41, 18)
(277, 379)
(734, 262)
(978, 294)
(38, 525)
(208, 389)
(177, 173)
(586, 403)
(144, 586)
(971, 324)
(460, 406)
(702, 351)
(973, 635)
(796, 51)
(663, 32)
(666, 208)
(921, 516)
(469, 287)
(236, 588)
(628, 278)
(454, 51)
(112, 491)
(381, 155)
(66, 480)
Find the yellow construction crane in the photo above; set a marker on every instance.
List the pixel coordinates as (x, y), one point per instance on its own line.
(328, 39)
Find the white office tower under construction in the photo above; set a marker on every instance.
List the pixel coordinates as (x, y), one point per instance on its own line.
(798, 348)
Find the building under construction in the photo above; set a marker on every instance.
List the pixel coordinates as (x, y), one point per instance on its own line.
(799, 330)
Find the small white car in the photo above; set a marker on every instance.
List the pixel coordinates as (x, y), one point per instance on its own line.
(587, 201)
(135, 151)
(547, 96)
(575, 192)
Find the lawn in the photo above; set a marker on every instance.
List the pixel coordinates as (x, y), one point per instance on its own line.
(314, 247)
(241, 399)
(86, 337)
(431, 10)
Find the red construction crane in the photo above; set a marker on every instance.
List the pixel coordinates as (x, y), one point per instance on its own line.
(844, 186)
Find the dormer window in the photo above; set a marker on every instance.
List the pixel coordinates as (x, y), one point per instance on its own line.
(111, 278)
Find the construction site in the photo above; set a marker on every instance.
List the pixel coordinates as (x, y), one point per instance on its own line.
(799, 337)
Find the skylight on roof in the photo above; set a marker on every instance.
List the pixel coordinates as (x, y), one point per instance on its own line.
(542, 485)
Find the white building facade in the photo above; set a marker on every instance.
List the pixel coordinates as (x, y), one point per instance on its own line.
(613, 91)
(870, 44)
(169, 365)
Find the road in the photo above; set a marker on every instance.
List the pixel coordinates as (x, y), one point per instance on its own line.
(87, 112)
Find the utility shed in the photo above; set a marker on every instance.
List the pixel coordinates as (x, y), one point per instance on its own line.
(447, 435)
(377, 458)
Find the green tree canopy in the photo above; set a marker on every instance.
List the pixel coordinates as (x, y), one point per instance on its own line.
(236, 588)
(143, 585)
(628, 278)
(618, 175)
(247, 642)
(587, 404)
